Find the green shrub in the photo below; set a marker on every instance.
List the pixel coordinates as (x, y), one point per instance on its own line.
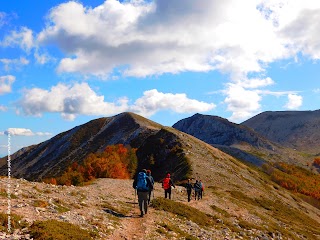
(56, 230)
(15, 221)
(182, 210)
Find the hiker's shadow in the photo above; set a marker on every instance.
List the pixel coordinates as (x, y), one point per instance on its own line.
(120, 215)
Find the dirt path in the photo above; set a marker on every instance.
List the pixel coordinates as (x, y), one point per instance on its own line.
(133, 226)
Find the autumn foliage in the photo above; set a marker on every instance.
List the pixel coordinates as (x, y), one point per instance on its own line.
(316, 162)
(116, 161)
(295, 178)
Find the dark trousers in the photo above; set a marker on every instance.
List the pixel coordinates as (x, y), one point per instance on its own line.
(196, 195)
(189, 195)
(149, 196)
(143, 202)
(167, 192)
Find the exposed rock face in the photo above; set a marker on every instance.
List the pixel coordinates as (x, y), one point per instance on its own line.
(295, 129)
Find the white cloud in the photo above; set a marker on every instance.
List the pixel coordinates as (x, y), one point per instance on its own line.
(141, 38)
(81, 99)
(3, 108)
(294, 101)
(153, 101)
(3, 17)
(19, 132)
(14, 63)
(275, 93)
(43, 134)
(42, 58)
(241, 102)
(5, 84)
(317, 90)
(24, 132)
(255, 82)
(22, 38)
(163, 36)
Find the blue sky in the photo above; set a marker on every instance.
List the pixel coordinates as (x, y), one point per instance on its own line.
(63, 63)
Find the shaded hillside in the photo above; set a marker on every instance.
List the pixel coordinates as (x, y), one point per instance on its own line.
(236, 140)
(295, 129)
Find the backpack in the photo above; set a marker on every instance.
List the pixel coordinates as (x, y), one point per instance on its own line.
(142, 182)
(166, 183)
(197, 187)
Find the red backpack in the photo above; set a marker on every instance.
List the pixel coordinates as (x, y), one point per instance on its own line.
(166, 183)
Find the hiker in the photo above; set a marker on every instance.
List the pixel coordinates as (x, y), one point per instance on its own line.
(152, 181)
(166, 185)
(142, 184)
(189, 189)
(201, 189)
(197, 189)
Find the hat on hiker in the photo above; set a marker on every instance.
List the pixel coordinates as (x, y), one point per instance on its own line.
(144, 170)
(148, 171)
(168, 174)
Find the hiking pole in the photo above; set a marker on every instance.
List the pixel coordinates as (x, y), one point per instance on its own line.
(172, 192)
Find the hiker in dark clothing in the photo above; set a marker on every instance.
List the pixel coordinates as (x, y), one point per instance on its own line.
(142, 184)
(166, 185)
(152, 181)
(197, 189)
(202, 188)
(189, 189)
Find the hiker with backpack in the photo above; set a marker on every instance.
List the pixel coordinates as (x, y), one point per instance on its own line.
(189, 189)
(142, 184)
(152, 181)
(166, 185)
(197, 190)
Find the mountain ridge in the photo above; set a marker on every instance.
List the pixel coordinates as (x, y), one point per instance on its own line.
(298, 130)
(237, 140)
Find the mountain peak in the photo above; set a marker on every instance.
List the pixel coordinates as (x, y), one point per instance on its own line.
(294, 129)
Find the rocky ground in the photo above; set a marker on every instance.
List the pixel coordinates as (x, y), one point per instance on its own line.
(109, 207)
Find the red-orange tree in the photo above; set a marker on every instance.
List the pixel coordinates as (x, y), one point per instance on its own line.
(295, 178)
(316, 162)
(116, 161)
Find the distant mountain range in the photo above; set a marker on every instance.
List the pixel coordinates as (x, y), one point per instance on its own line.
(174, 149)
(237, 140)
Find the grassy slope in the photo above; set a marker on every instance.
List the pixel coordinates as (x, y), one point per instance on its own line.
(248, 193)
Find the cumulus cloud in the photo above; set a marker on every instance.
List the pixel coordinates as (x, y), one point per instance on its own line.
(3, 108)
(241, 102)
(255, 82)
(72, 100)
(141, 38)
(147, 38)
(15, 63)
(23, 132)
(5, 84)
(153, 101)
(294, 101)
(22, 38)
